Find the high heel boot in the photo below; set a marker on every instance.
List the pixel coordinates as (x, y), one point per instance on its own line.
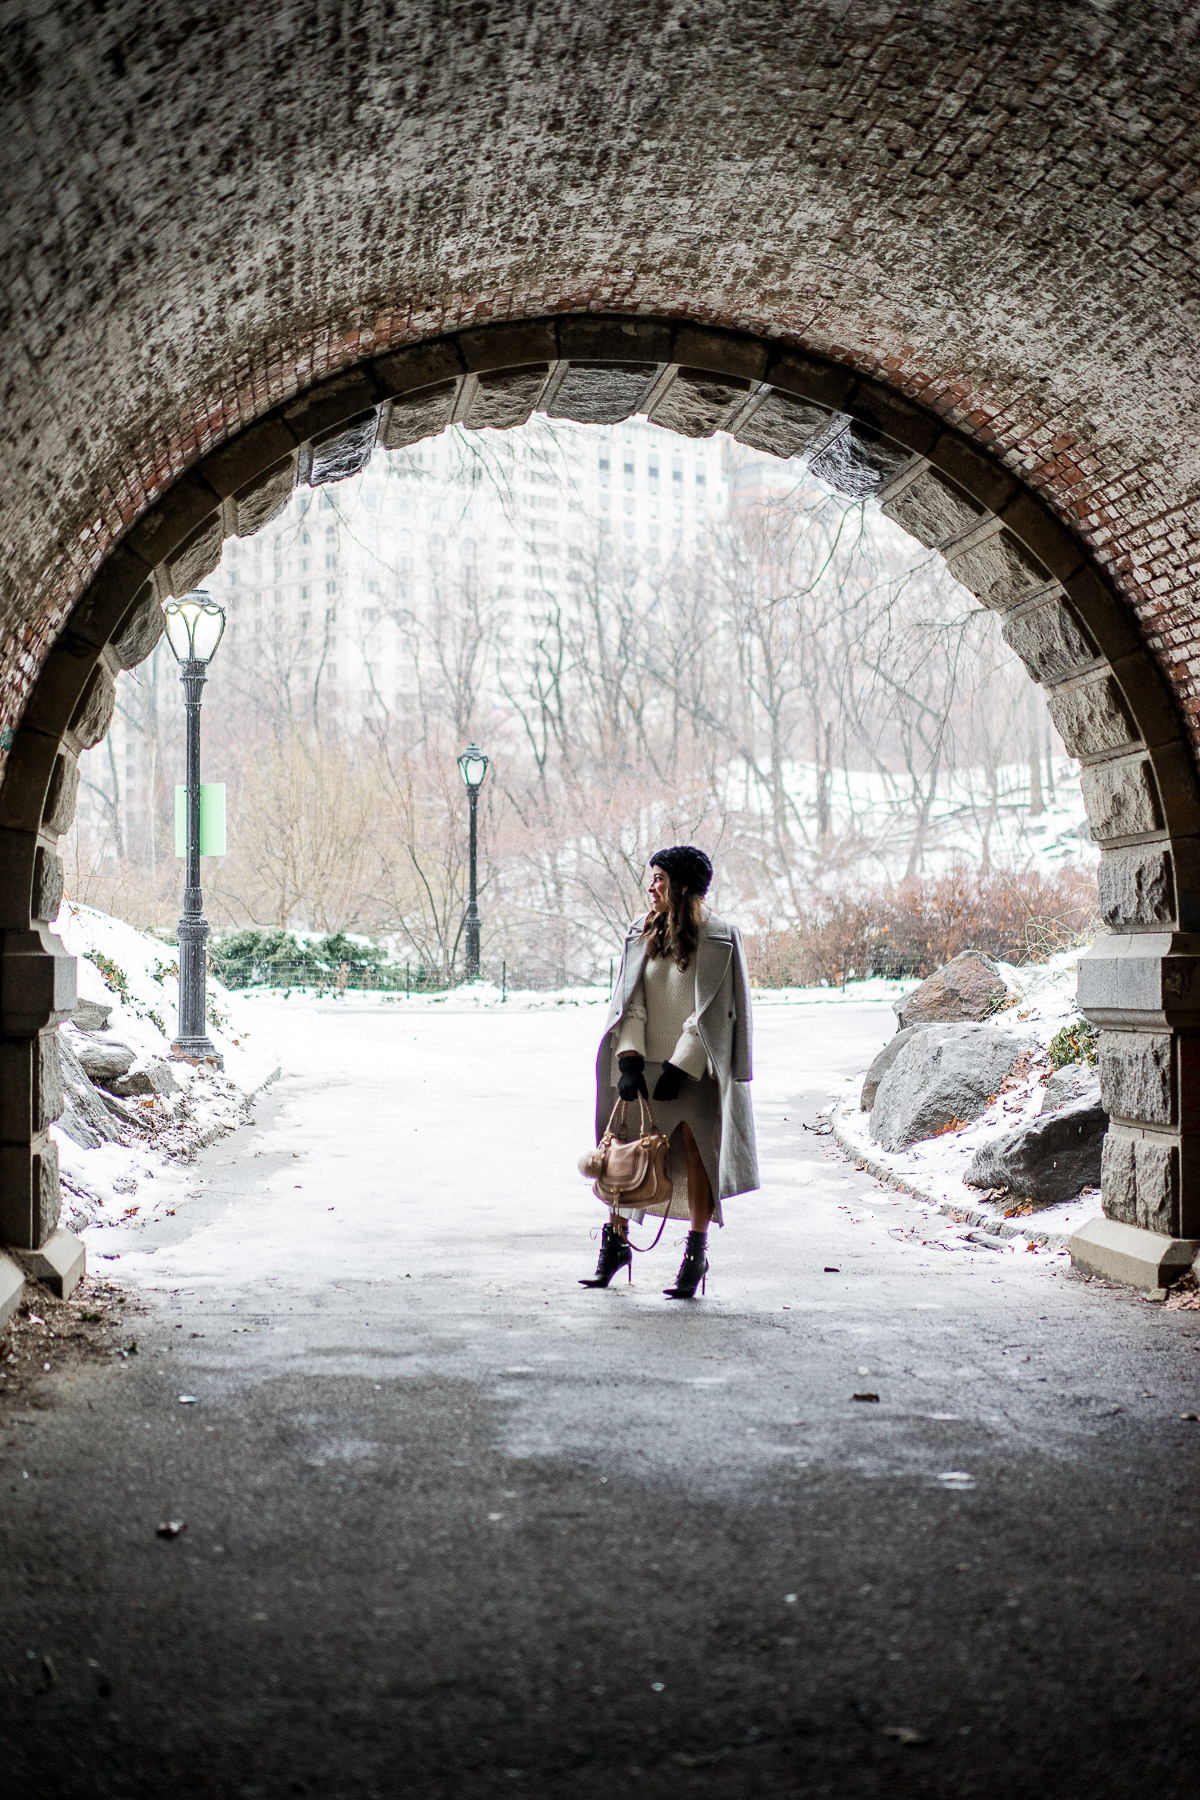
(692, 1270)
(615, 1254)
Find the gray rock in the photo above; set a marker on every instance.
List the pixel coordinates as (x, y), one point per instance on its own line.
(104, 1059)
(91, 1015)
(151, 1077)
(1075, 1081)
(882, 1064)
(1052, 1158)
(969, 987)
(84, 1118)
(943, 1073)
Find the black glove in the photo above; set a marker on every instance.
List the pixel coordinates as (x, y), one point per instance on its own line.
(633, 1081)
(669, 1085)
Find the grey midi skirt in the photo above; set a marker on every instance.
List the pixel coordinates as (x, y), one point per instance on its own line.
(699, 1105)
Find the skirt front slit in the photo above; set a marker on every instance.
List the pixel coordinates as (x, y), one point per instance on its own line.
(699, 1106)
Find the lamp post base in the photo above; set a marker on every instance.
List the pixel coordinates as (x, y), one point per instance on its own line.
(197, 1050)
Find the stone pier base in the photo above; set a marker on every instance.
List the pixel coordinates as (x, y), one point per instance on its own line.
(1129, 1254)
(61, 1262)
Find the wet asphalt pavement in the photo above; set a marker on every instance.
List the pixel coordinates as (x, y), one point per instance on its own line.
(467, 1529)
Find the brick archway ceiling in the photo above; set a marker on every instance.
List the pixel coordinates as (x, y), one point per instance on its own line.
(990, 210)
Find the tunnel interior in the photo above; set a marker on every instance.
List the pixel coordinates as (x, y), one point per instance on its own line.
(1058, 611)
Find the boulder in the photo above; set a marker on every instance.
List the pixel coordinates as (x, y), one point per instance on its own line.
(882, 1064)
(943, 1073)
(104, 1059)
(1073, 1082)
(91, 1015)
(84, 1117)
(1052, 1158)
(969, 987)
(151, 1077)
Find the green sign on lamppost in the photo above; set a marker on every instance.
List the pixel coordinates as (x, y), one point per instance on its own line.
(473, 764)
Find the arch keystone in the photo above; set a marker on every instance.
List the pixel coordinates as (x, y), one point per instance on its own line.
(601, 393)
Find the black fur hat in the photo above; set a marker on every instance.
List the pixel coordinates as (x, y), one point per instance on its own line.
(688, 867)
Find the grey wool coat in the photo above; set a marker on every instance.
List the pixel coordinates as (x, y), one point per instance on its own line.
(724, 1021)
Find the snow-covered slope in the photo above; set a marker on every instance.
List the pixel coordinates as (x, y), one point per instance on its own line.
(936, 1166)
(136, 975)
(974, 819)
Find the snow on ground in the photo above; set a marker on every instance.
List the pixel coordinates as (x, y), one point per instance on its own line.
(390, 1096)
(136, 975)
(421, 1136)
(936, 1166)
(429, 1136)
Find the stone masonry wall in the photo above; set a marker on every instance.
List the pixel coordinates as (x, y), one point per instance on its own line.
(211, 207)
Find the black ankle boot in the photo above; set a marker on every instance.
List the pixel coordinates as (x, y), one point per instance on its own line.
(692, 1270)
(614, 1254)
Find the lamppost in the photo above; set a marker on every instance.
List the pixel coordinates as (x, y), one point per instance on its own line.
(194, 626)
(473, 763)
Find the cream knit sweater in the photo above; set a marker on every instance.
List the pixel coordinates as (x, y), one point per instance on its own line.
(660, 1020)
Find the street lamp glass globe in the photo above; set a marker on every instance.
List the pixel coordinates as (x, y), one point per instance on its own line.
(194, 626)
(473, 762)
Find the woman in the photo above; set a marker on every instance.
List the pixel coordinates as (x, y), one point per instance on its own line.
(680, 1018)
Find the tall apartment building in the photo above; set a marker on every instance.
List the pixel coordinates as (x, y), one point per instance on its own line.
(322, 605)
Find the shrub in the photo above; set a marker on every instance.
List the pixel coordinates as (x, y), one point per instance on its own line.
(1077, 1042)
(114, 976)
(914, 927)
(266, 956)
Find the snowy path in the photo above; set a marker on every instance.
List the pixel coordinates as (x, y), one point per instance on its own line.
(444, 1144)
(445, 1506)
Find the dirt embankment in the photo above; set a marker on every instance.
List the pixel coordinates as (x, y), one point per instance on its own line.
(47, 1335)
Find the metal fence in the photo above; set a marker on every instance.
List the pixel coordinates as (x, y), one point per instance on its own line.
(390, 978)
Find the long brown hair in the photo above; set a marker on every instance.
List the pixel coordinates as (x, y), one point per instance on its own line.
(676, 930)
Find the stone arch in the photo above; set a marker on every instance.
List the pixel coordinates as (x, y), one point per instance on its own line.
(998, 537)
